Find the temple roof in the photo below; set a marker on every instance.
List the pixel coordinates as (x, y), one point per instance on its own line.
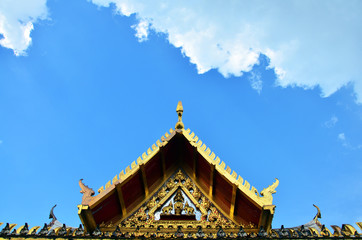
(64, 232)
(179, 148)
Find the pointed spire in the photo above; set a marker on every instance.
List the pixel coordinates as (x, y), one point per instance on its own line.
(179, 110)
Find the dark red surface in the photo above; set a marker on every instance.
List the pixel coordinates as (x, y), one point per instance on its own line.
(170, 154)
(178, 153)
(203, 172)
(188, 157)
(245, 210)
(222, 192)
(132, 190)
(107, 210)
(177, 217)
(153, 170)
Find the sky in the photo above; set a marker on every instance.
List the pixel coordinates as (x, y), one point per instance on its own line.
(274, 88)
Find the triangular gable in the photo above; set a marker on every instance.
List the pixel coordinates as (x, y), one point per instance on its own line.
(178, 201)
(177, 149)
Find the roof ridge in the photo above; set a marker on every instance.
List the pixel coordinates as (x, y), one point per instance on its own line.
(265, 196)
(262, 198)
(129, 170)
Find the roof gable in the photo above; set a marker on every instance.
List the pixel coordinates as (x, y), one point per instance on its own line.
(178, 149)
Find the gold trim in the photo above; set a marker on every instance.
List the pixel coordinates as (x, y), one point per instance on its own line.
(264, 198)
(145, 215)
(233, 199)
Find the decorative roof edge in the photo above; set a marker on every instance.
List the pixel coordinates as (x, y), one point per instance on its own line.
(262, 198)
(144, 158)
(265, 196)
(64, 232)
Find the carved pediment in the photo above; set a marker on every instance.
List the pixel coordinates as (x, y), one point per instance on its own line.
(178, 201)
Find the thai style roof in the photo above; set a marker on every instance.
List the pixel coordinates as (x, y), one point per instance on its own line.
(313, 229)
(178, 188)
(178, 149)
(64, 232)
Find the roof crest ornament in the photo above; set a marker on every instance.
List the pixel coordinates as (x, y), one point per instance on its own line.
(179, 110)
(87, 193)
(264, 198)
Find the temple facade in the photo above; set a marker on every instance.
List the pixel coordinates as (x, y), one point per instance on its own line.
(178, 188)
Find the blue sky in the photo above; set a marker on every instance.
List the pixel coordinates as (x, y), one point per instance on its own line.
(94, 86)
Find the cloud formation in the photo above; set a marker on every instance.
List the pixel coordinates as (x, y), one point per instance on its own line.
(255, 81)
(331, 123)
(309, 43)
(345, 143)
(17, 20)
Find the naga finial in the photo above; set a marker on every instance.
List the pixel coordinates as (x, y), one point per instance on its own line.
(267, 192)
(317, 216)
(51, 214)
(179, 110)
(87, 193)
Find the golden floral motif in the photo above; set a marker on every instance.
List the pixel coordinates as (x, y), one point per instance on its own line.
(170, 184)
(179, 176)
(162, 193)
(196, 194)
(188, 184)
(152, 203)
(147, 219)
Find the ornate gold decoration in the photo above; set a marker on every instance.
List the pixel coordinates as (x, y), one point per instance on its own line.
(179, 202)
(264, 198)
(152, 203)
(179, 110)
(325, 232)
(162, 193)
(267, 192)
(261, 199)
(179, 176)
(210, 216)
(167, 229)
(189, 210)
(87, 193)
(168, 209)
(196, 194)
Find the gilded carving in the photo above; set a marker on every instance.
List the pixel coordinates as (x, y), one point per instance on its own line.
(267, 192)
(168, 209)
(189, 210)
(177, 206)
(152, 203)
(188, 184)
(179, 176)
(170, 184)
(87, 193)
(162, 193)
(264, 198)
(179, 202)
(205, 203)
(196, 194)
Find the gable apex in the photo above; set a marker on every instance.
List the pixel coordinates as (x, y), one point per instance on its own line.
(179, 148)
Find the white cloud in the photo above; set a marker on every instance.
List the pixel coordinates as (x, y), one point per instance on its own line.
(141, 30)
(331, 122)
(343, 140)
(341, 137)
(255, 81)
(309, 43)
(17, 20)
(347, 144)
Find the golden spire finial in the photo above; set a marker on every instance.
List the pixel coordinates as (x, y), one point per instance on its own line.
(179, 110)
